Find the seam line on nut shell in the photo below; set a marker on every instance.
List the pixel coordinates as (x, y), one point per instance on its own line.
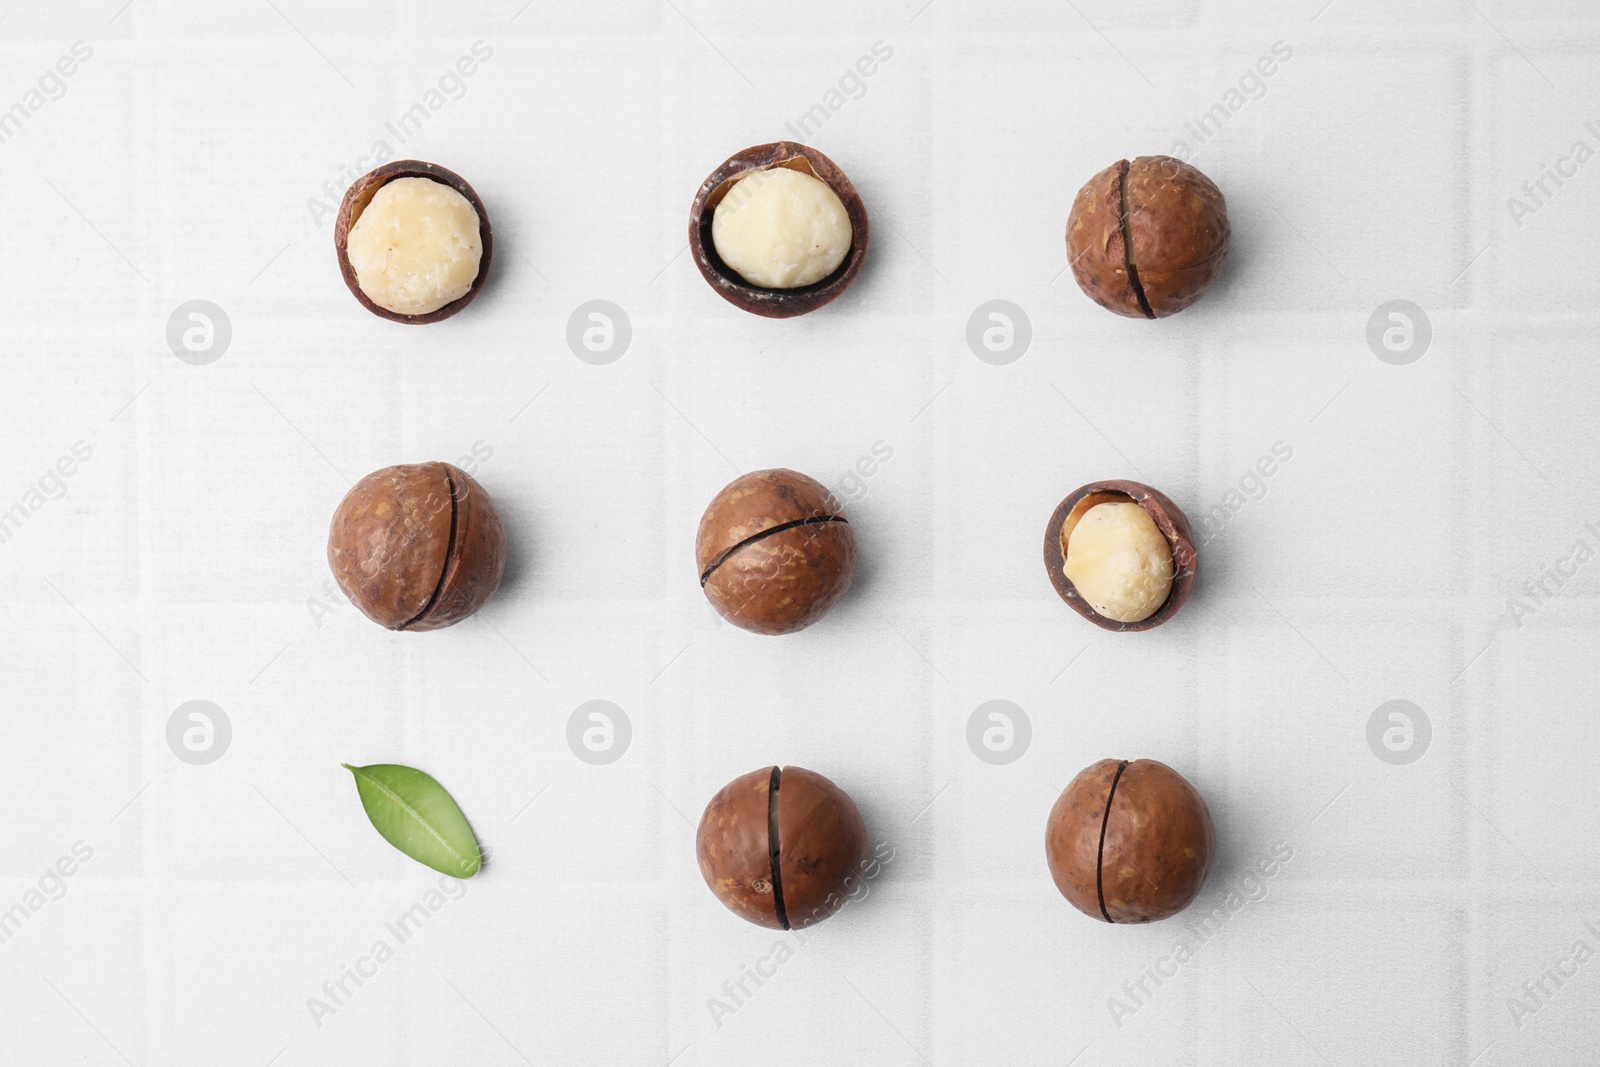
(1127, 246)
(1100, 856)
(775, 846)
(723, 556)
(449, 553)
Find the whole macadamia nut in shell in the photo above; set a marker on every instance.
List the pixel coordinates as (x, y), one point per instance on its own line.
(1130, 842)
(417, 546)
(782, 847)
(1147, 238)
(774, 552)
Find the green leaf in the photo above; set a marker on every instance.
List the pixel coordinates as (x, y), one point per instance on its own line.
(416, 815)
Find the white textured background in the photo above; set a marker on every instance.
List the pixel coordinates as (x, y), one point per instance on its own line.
(185, 560)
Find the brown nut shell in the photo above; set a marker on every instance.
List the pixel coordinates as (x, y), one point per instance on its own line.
(781, 847)
(775, 303)
(1147, 238)
(774, 552)
(822, 846)
(417, 546)
(1096, 245)
(360, 194)
(1130, 842)
(1169, 519)
(733, 850)
(1072, 837)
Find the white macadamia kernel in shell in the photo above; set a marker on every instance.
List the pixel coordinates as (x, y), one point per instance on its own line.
(416, 247)
(1119, 562)
(781, 229)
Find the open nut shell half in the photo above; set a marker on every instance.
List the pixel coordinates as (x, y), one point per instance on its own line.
(775, 303)
(1169, 519)
(360, 194)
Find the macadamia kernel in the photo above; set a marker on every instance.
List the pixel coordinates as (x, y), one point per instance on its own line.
(781, 229)
(1119, 562)
(416, 247)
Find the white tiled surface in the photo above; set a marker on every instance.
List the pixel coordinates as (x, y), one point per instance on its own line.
(185, 557)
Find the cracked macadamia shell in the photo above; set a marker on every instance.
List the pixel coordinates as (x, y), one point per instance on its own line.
(807, 873)
(1177, 221)
(428, 257)
(774, 552)
(771, 300)
(1168, 519)
(1130, 842)
(417, 546)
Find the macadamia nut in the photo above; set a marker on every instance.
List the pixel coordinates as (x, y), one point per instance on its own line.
(781, 229)
(1119, 562)
(416, 247)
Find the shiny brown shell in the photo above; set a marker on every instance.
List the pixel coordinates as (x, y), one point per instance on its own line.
(775, 303)
(1130, 842)
(1175, 219)
(774, 552)
(1169, 519)
(360, 194)
(732, 848)
(417, 546)
(804, 874)
(822, 846)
